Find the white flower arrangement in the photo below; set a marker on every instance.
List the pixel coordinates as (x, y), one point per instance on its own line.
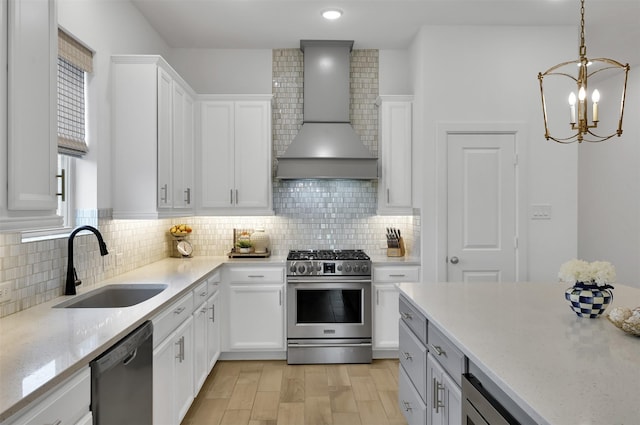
(600, 273)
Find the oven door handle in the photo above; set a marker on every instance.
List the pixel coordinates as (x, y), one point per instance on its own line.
(363, 344)
(322, 281)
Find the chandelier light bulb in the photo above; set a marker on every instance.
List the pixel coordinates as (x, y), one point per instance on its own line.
(582, 94)
(595, 96)
(572, 107)
(572, 99)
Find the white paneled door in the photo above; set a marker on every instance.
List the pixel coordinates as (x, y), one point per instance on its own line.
(481, 207)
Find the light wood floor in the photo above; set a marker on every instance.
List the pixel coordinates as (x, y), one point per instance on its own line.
(274, 393)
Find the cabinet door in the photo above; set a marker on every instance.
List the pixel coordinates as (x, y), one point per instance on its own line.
(452, 401)
(256, 317)
(216, 159)
(200, 346)
(395, 146)
(213, 330)
(444, 395)
(183, 371)
(252, 174)
(32, 121)
(386, 317)
(163, 385)
(182, 148)
(165, 150)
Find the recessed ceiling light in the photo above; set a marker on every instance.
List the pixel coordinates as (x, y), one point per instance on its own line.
(332, 14)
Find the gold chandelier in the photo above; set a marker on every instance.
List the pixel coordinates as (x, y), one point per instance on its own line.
(582, 124)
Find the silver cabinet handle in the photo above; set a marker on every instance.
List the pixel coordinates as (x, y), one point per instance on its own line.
(164, 190)
(407, 405)
(438, 350)
(213, 313)
(203, 293)
(397, 275)
(188, 196)
(179, 355)
(204, 310)
(407, 316)
(231, 196)
(255, 275)
(387, 196)
(407, 355)
(280, 297)
(437, 402)
(454, 260)
(236, 196)
(58, 422)
(377, 297)
(179, 310)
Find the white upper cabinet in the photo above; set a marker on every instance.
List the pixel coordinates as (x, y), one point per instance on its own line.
(153, 138)
(235, 155)
(32, 47)
(394, 135)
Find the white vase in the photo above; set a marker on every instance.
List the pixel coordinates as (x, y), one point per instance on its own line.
(261, 241)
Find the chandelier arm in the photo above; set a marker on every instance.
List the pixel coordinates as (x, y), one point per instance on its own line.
(560, 65)
(611, 62)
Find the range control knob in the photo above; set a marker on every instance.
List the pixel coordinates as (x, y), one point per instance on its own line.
(292, 269)
(347, 268)
(356, 268)
(318, 267)
(302, 269)
(339, 267)
(365, 268)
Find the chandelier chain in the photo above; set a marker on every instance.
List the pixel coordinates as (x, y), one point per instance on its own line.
(583, 47)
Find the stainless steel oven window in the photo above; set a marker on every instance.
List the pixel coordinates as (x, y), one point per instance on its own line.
(329, 306)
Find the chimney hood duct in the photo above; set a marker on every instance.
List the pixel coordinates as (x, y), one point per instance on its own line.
(327, 147)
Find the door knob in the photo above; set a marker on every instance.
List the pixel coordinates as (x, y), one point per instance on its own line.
(454, 260)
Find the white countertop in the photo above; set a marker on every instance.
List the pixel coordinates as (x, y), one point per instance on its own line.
(42, 346)
(559, 368)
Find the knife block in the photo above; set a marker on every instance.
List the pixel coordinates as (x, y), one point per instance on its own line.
(397, 252)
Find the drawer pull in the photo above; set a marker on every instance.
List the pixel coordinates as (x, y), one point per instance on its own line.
(397, 275)
(203, 294)
(407, 316)
(179, 310)
(438, 350)
(213, 313)
(255, 275)
(407, 356)
(407, 405)
(58, 422)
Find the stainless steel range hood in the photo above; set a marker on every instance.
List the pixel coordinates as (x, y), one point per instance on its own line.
(327, 147)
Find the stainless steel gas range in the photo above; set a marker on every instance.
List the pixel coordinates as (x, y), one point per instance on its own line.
(328, 307)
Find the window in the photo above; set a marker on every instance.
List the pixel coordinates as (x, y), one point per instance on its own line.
(74, 62)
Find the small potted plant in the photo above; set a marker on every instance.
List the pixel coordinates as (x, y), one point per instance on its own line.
(244, 246)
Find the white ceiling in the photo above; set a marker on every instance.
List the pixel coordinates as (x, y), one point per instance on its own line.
(612, 26)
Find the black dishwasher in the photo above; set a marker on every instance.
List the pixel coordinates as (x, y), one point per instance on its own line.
(122, 381)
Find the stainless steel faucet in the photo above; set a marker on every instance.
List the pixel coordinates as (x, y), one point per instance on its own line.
(72, 277)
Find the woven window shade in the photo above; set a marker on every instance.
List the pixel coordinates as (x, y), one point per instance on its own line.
(74, 52)
(73, 61)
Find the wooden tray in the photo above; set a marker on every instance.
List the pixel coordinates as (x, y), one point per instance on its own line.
(234, 254)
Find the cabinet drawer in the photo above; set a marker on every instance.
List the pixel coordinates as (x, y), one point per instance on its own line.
(66, 404)
(253, 274)
(413, 358)
(413, 408)
(396, 274)
(414, 319)
(165, 322)
(201, 293)
(451, 359)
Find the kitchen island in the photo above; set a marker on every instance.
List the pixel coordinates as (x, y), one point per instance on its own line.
(559, 368)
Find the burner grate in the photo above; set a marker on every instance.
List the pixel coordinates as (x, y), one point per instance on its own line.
(324, 254)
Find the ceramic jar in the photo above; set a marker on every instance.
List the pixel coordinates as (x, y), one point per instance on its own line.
(588, 300)
(261, 241)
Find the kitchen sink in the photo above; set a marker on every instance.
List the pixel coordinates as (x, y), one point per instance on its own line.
(114, 296)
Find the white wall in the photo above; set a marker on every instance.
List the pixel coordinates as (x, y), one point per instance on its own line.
(609, 191)
(106, 27)
(224, 71)
(394, 72)
(484, 75)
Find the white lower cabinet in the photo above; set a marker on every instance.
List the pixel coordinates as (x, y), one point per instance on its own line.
(173, 375)
(255, 299)
(213, 330)
(206, 325)
(67, 404)
(385, 306)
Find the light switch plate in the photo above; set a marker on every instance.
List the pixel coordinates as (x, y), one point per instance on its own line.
(541, 212)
